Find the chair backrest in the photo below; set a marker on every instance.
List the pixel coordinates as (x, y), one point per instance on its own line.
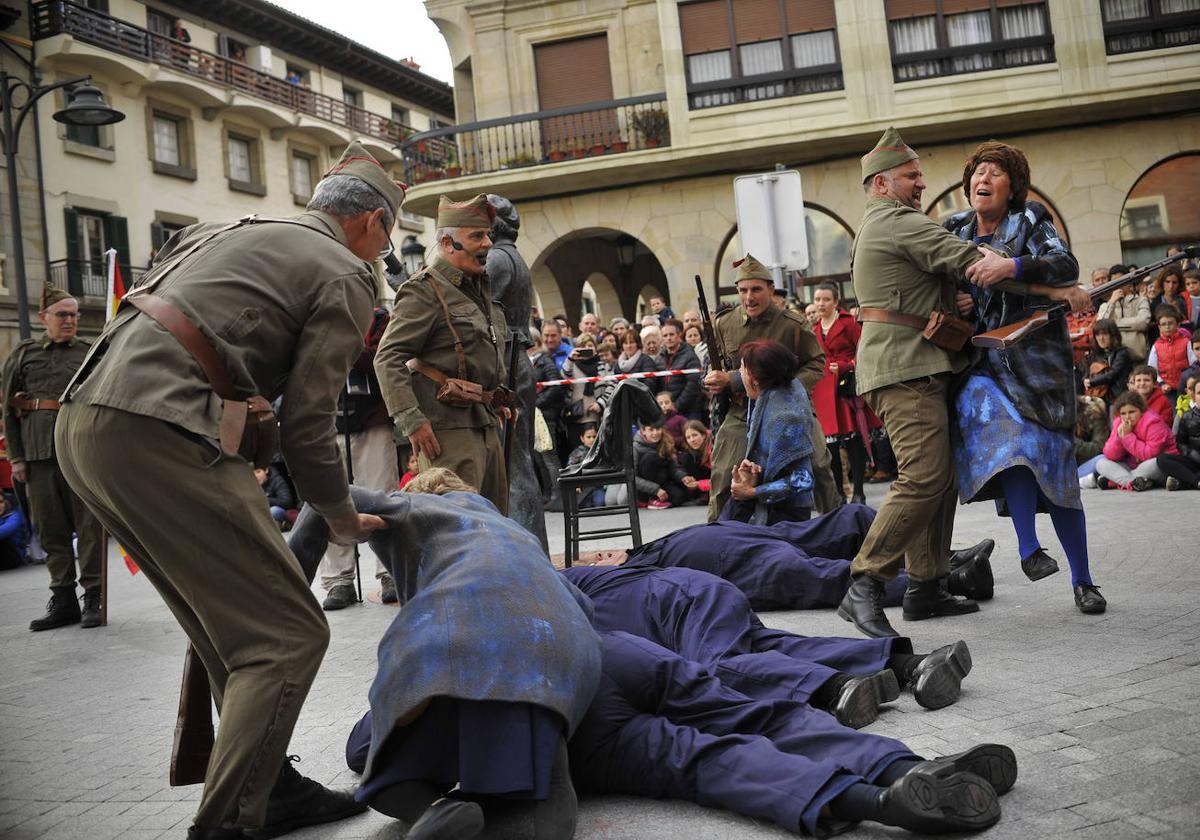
(623, 429)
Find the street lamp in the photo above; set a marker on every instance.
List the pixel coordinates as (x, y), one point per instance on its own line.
(413, 254)
(85, 106)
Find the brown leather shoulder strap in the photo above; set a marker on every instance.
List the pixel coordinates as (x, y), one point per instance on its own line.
(890, 316)
(458, 345)
(429, 371)
(189, 335)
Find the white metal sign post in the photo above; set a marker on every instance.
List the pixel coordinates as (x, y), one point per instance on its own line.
(770, 215)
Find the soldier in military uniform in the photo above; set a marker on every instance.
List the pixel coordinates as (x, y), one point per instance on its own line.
(148, 438)
(904, 267)
(34, 377)
(757, 317)
(447, 330)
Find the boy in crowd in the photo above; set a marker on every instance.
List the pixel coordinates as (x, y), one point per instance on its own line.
(1172, 352)
(1144, 381)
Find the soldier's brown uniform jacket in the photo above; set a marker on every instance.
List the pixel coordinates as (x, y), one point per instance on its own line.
(736, 328)
(40, 369)
(293, 332)
(418, 330)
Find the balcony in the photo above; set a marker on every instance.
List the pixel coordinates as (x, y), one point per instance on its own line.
(91, 27)
(87, 278)
(1149, 31)
(544, 137)
(799, 82)
(973, 58)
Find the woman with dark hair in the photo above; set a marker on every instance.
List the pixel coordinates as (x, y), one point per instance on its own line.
(1168, 290)
(844, 417)
(1015, 411)
(774, 482)
(633, 360)
(1107, 365)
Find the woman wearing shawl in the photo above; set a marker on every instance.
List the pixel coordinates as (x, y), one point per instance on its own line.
(1016, 408)
(774, 482)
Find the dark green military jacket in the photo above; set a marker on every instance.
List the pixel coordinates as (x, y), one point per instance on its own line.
(286, 310)
(418, 330)
(736, 328)
(41, 369)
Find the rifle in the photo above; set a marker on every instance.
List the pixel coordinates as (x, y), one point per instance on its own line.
(510, 428)
(1008, 335)
(718, 404)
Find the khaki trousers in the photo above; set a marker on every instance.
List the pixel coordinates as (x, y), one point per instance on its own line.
(730, 448)
(477, 457)
(58, 513)
(916, 521)
(373, 456)
(198, 525)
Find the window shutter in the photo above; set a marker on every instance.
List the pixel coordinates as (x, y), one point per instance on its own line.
(74, 253)
(953, 7)
(897, 9)
(809, 16)
(705, 26)
(573, 72)
(757, 20)
(158, 235)
(116, 232)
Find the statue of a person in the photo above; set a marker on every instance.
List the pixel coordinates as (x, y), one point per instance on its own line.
(512, 287)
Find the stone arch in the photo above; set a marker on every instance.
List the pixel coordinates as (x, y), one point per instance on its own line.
(1160, 209)
(952, 200)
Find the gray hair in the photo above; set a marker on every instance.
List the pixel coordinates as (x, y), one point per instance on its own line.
(443, 232)
(346, 196)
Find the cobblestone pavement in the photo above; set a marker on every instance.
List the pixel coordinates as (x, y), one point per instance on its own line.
(1101, 710)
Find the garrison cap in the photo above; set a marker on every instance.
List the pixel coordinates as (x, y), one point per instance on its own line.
(52, 295)
(891, 151)
(475, 212)
(358, 162)
(749, 268)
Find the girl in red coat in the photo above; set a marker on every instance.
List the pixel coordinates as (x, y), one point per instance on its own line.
(844, 416)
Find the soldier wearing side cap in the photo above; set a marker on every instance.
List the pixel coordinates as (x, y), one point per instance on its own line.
(905, 266)
(756, 317)
(34, 377)
(441, 362)
(148, 437)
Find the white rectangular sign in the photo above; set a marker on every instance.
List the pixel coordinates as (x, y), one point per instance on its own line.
(770, 215)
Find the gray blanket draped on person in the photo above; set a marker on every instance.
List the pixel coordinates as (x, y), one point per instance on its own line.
(491, 619)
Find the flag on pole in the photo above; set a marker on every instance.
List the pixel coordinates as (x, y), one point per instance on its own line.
(116, 291)
(116, 285)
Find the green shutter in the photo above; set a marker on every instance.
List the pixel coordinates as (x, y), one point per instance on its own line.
(74, 276)
(116, 233)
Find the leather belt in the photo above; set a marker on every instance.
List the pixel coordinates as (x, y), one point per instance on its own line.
(891, 316)
(440, 378)
(23, 403)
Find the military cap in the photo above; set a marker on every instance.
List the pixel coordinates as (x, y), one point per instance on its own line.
(749, 268)
(891, 151)
(52, 295)
(475, 212)
(358, 162)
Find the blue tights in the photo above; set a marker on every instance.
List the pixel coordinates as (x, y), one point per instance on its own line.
(1022, 493)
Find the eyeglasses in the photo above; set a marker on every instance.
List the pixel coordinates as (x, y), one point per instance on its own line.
(62, 316)
(390, 248)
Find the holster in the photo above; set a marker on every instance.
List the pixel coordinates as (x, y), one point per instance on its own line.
(460, 392)
(941, 329)
(193, 725)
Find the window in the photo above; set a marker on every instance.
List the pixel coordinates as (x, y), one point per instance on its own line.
(160, 23)
(1161, 210)
(243, 162)
(161, 231)
(89, 235)
(351, 96)
(758, 49)
(947, 37)
(1134, 25)
(399, 115)
(166, 140)
(302, 176)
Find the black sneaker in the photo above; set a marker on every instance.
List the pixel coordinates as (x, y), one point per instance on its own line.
(340, 597)
(1141, 484)
(387, 590)
(1102, 482)
(90, 616)
(297, 802)
(62, 609)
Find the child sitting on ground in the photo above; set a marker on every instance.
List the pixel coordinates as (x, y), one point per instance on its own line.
(696, 456)
(594, 497)
(673, 421)
(411, 471)
(1131, 454)
(659, 477)
(1183, 470)
(1144, 383)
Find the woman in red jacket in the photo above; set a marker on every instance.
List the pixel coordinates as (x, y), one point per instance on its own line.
(844, 416)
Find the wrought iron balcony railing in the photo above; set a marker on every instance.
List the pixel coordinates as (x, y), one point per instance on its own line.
(799, 82)
(59, 17)
(973, 58)
(598, 128)
(1152, 32)
(87, 278)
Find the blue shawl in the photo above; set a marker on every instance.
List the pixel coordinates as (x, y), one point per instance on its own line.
(778, 440)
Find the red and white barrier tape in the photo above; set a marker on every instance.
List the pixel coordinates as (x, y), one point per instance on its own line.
(618, 377)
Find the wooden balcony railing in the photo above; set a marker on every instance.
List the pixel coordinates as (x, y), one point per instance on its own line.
(598, 128)
(58, 17)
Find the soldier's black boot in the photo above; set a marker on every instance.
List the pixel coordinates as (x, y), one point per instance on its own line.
(863, 605)
(297, 801)
(198, 833)
(61, 610)
(928, 599)
(90, 617)
(972, 578)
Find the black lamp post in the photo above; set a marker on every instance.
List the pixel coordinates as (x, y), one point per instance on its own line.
(85, 106)
(412, 253)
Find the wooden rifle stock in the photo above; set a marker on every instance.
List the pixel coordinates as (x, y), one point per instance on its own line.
(718, 404)
(193, 726)
(1008, 335)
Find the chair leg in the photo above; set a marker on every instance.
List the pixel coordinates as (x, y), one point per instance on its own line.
(570, 526)
(635, 523)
